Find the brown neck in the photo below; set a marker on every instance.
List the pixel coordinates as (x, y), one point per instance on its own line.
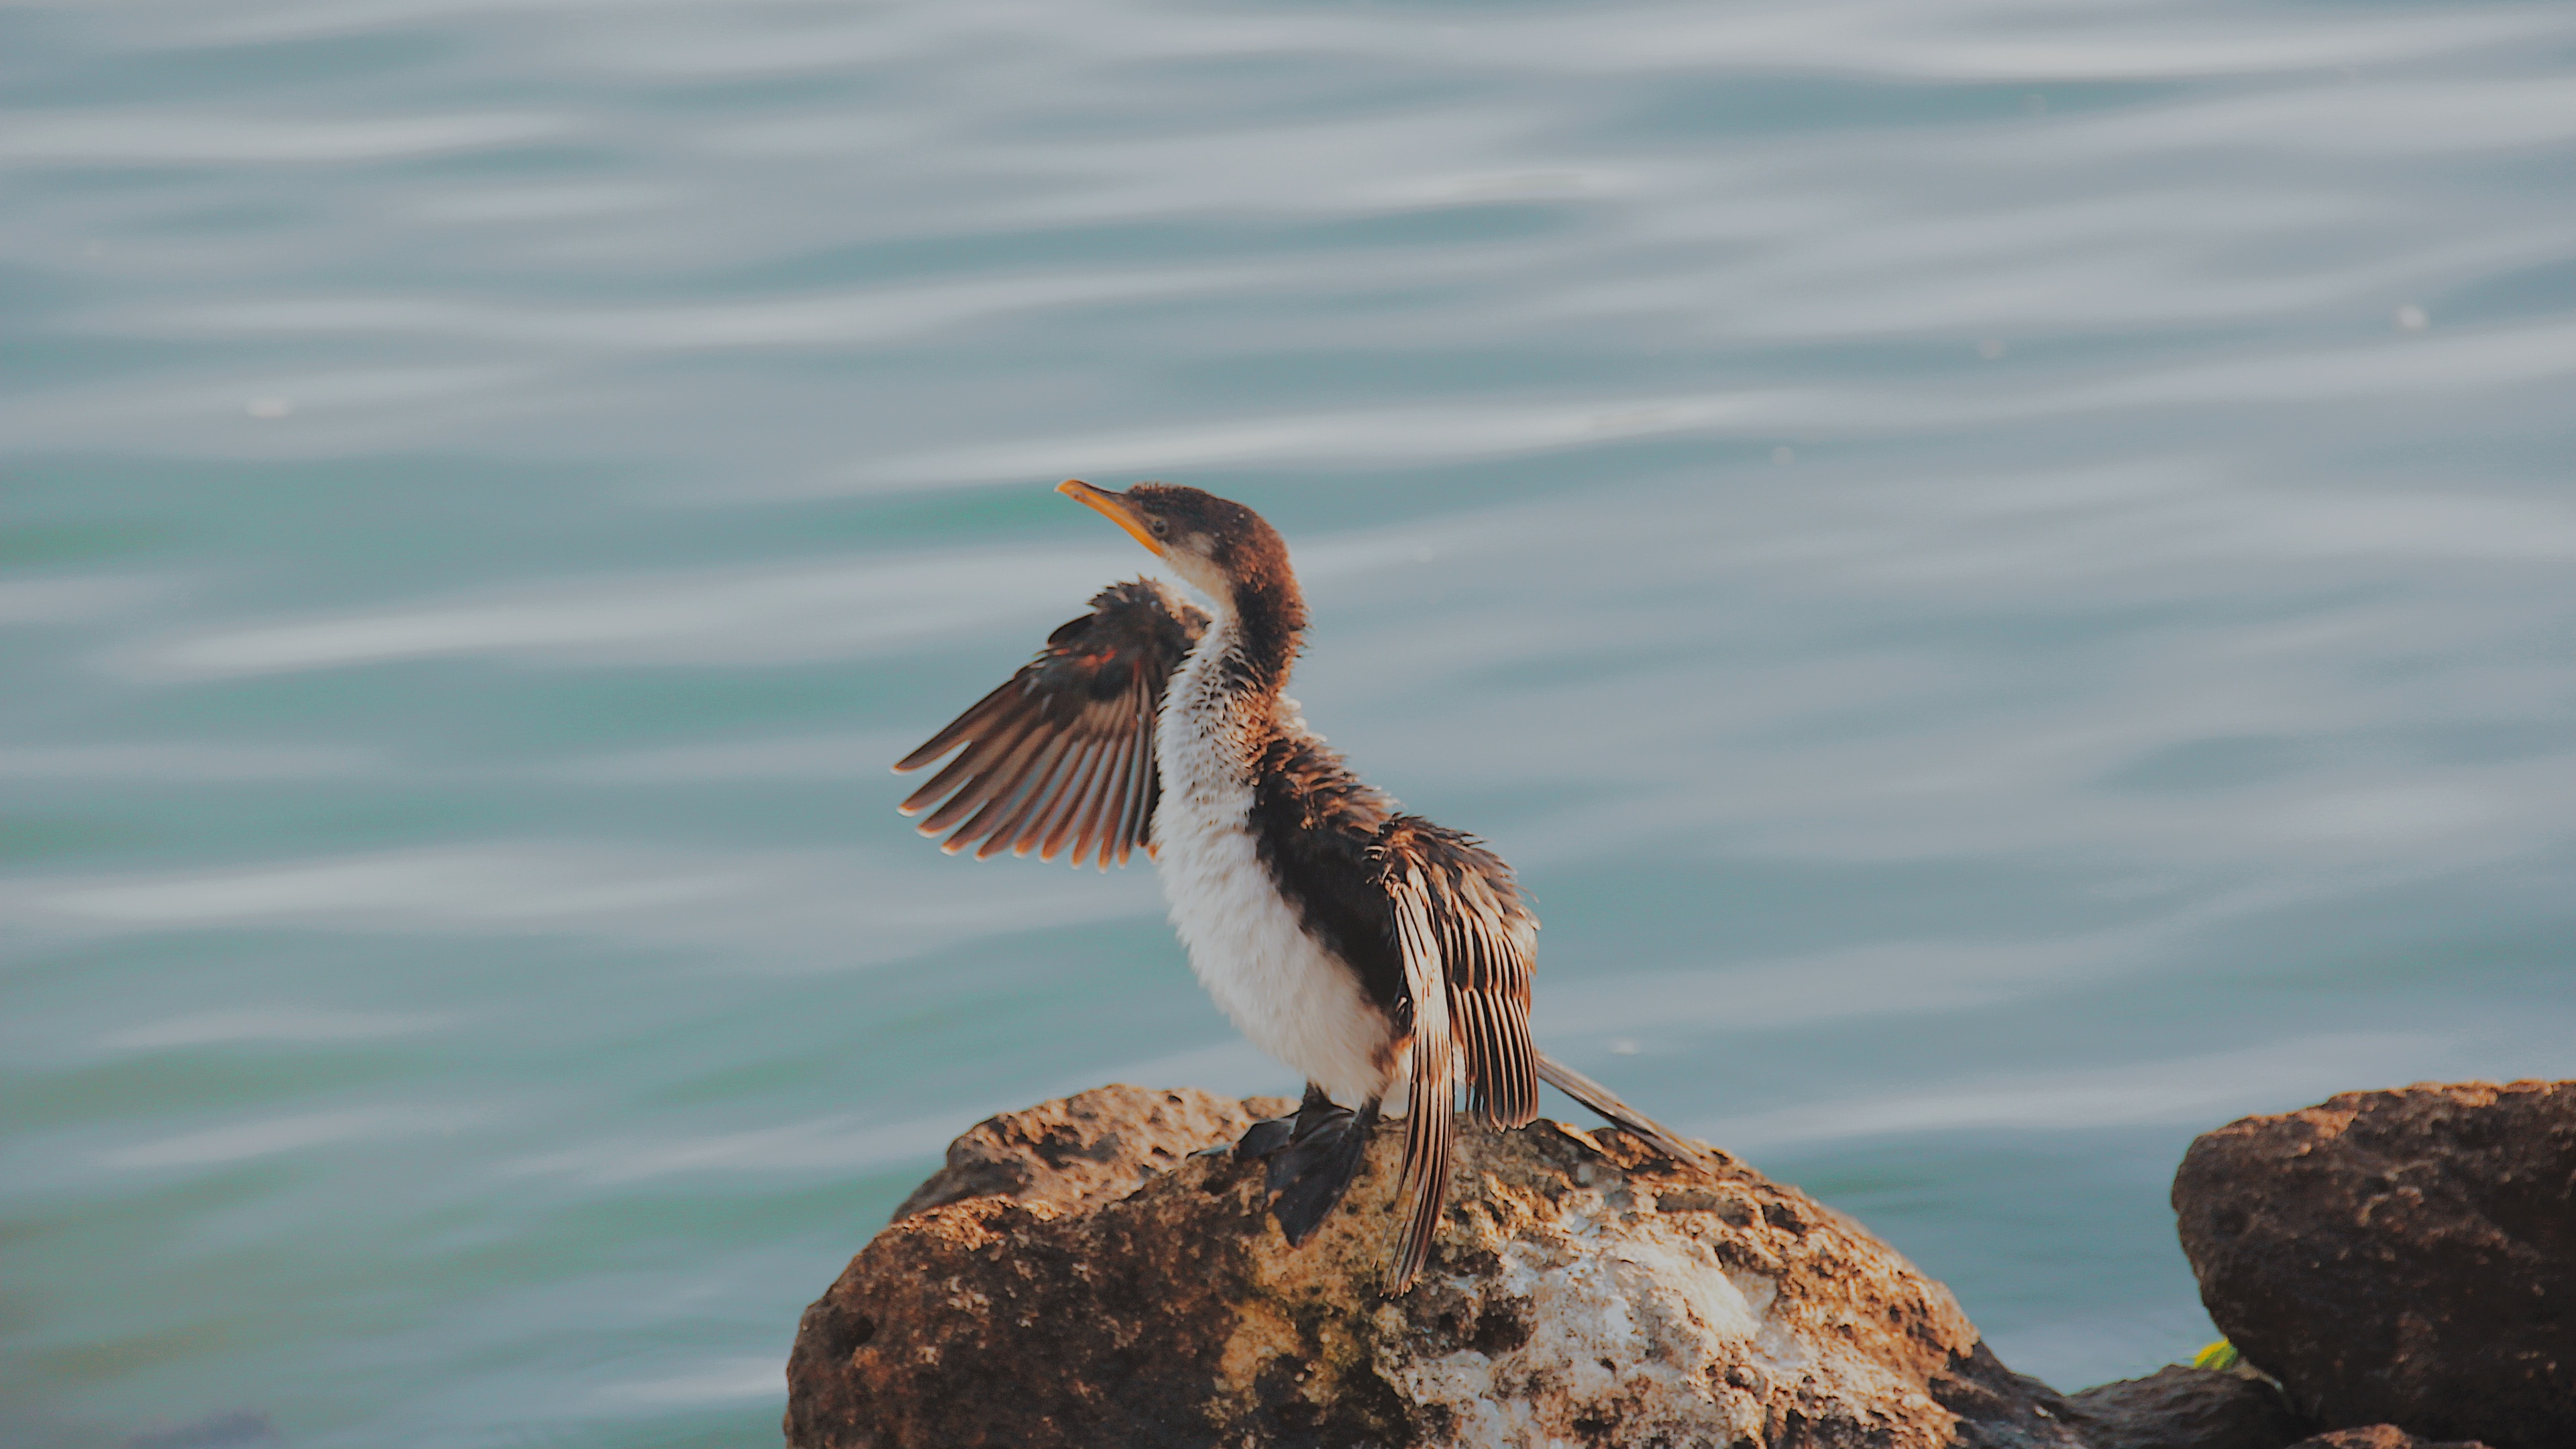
(1269, 625)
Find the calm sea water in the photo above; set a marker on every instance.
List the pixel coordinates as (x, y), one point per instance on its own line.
(2002, 571)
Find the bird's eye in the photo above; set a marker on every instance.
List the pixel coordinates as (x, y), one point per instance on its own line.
(1161, 528)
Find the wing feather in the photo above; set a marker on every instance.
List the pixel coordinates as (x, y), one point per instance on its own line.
(1081, 789)
(1124, 809)
(988, 789)
(1144, 785)
(1093, 803)
(1100, 818)
(1034, 788)
(1082, 783)
(1002, 731)
(985, 767)
(976, 716)
(1467, 945)
(1488, 943)
(1422, 1185)
(1062, 754)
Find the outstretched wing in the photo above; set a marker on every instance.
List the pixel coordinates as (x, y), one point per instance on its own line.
(1468, 943)
(1063, 753)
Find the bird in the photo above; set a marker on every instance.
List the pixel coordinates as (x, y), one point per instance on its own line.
(1379, 953)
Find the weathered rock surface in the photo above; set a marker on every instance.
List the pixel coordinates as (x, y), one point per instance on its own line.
(2404, 1257)
(2179, 1407)
(1086, 1150)
(1581, 1292)
(2381, 1436)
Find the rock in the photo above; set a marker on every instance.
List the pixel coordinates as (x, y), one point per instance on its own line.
(1581, 1291)
(1093, 1148)
(2178, 1407)
(2403, 1257)
(2381, 1436)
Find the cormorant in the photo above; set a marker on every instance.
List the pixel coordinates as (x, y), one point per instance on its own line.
(1365, 947)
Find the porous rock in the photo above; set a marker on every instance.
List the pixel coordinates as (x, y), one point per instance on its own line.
(2180, 1407)
(2402, 1257)
(2381, 1436)
(1582, 1291)
(1088, 1149)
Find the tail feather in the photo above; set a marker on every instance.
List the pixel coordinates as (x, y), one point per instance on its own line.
(1620, 1115)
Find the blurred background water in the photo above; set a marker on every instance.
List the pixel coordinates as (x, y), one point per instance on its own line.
(2002, 570)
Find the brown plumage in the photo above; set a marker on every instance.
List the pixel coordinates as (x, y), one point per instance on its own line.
(1467, 944)
(1064, 750)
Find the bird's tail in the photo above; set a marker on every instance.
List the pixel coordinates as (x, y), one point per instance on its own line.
(1620, 1115)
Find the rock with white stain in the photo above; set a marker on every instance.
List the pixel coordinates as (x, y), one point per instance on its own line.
(1582, 1291)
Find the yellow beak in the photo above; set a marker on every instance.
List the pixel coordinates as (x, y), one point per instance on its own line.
(1115, 507)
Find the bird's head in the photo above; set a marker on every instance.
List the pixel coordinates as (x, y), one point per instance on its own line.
(1219, 547)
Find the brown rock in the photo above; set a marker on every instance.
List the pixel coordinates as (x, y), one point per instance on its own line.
(1581, 1291)
(2178, 1407)
(2403, 1257)
(2381, 1436)
(1092, 1148)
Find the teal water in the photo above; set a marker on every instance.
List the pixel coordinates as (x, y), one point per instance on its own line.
(2002, 572)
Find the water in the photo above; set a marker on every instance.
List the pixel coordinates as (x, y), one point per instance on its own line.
(2002, 571)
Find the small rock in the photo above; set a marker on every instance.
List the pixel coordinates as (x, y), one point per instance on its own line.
(1564, 1304)
(2178, 1407)
(2403, 1257)
(2381, 1436)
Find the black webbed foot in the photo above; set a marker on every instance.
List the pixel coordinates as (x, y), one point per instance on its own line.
(1270, 1134)
(1310, 1172)
(1259, 1140)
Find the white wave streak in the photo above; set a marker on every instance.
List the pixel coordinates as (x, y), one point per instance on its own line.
(829, 319)
(2270, 1078)
(185, 763)
(701, 1383)
(270, 1024)
(2391, 369)
(837, 1145)
(171, 138)
(1344, 438)
(816, 909)
(714, 618)
(270, 1137)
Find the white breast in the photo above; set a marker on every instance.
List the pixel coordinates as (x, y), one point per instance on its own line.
(1280, 988)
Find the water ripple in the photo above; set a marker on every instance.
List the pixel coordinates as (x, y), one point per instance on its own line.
(2000, 570)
